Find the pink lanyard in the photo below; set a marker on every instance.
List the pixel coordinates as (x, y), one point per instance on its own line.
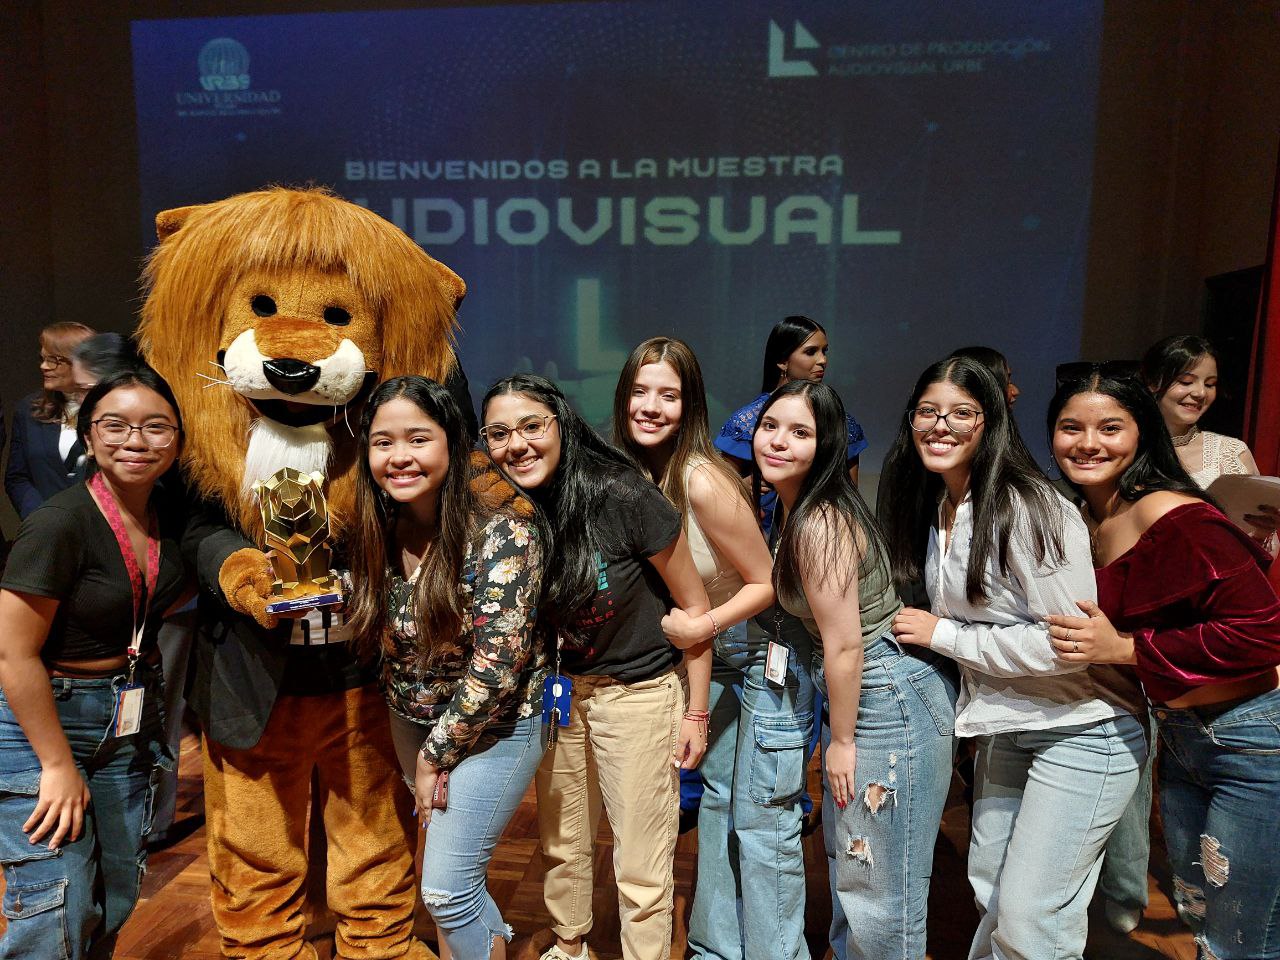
(136, 584)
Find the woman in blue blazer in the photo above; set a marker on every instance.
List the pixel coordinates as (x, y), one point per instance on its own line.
(44, 453)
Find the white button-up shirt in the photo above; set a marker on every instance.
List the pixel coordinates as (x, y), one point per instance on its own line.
(1012, 678)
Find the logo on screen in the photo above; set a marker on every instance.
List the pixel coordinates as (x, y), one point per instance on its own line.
(801, 39)
(224, 65)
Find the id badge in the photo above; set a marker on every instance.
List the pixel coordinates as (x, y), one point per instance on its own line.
(775, 663)
(128, 711)
(556, 694)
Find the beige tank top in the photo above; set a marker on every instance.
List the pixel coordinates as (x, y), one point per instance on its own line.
(720, 577)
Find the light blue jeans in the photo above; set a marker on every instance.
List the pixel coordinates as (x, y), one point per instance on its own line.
(750, 895)
(1125, 862)
(484, 791)
(1220, 804)
(71, 902)
(1044, 804)
(880, 846)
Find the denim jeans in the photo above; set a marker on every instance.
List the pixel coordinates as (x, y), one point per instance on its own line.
(750, 895)
(72, 902)
(880, 846)
(1124, 865)
(1044, 804)
(484, 791)
(1220, 803)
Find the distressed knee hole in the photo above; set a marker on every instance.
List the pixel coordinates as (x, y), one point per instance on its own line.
(435, 898)
(1205, 952)
(877, 795)
(860, 850)
(1189, 899)
(1216, 866)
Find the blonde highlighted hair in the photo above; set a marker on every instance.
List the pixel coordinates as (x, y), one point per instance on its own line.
(693, 439)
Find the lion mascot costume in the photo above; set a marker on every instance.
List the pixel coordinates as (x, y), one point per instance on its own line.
(272, 315)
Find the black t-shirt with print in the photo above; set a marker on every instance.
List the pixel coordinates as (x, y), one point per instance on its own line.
(619, 633)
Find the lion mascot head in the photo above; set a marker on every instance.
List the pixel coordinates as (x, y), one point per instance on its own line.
(273, 314)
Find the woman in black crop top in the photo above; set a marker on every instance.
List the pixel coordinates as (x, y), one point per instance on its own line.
(81, 600)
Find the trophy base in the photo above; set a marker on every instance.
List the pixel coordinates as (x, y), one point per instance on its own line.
(304, 603)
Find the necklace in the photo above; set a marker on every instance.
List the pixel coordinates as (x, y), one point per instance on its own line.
(1187, 437)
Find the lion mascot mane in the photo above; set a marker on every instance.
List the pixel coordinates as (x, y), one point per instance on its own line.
(272, 315)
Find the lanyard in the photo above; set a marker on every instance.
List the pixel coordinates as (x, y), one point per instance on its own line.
(137, 585)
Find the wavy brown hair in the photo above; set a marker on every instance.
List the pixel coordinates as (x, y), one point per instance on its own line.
(50, 406)
(693, 439)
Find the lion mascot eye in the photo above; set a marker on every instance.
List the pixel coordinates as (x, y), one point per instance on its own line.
(336, 316)
(263, 305)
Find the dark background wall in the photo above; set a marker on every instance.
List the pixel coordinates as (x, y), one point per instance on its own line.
(1187, 140)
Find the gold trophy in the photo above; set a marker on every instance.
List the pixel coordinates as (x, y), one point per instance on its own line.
(296, 519)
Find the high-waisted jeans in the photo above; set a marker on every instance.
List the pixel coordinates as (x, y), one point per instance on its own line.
(880, 846)
(750, 897)
(71, 902)
(484, 790)
(1044, 804)
(1220, 803)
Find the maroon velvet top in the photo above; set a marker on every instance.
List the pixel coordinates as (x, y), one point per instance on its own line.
(1194, 593)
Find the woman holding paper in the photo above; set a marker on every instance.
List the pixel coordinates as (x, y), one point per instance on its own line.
(1182, 374)
(1183, 596)
(83, 596)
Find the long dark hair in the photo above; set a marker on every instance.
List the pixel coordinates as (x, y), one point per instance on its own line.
(1170, 358)
(989, 357)
(785, 339)
(693, 439)
(1003, 473)
(570, 502)
(137, 375)
(1155, 464)
(810, 546)
(436, 603)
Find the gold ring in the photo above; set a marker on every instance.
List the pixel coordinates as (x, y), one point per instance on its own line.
(1077, 646)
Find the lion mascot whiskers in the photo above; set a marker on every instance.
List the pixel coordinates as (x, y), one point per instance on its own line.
(273, 314)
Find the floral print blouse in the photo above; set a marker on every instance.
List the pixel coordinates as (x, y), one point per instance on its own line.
(494, 669)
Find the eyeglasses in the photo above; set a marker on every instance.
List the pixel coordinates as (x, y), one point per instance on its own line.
(53, 361)
(532, 427)
(961, 421)
(115, 433)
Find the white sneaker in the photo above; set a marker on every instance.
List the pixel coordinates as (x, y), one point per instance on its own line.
(1120, 918)
(554, 952)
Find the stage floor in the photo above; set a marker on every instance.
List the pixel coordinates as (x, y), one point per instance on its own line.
(173, 918)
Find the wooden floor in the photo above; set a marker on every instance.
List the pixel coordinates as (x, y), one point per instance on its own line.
(173, 919)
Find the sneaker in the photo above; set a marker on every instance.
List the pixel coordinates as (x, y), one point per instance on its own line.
(554, 952)
(1121, 918)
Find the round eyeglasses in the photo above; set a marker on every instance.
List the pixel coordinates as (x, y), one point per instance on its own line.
(533, 427)
(961, 421)
(115, 433)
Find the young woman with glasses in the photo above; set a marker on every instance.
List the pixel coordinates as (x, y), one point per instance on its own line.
(750, 890)
(619, 560)
(445, 594)
(45, 452)
(1183, 596)
(887, 742)
(82, 598)
(1058, 747)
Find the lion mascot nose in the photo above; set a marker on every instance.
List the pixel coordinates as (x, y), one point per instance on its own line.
(291, 376)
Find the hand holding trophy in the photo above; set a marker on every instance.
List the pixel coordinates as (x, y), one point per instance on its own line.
(296, 520)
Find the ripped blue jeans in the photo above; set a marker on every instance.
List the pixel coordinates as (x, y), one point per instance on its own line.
(880, 846)
(1219, 797)
(70, 903)
(484, 790)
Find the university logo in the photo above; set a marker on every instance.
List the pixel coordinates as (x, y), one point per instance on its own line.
(224, 65)
(801, 39)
